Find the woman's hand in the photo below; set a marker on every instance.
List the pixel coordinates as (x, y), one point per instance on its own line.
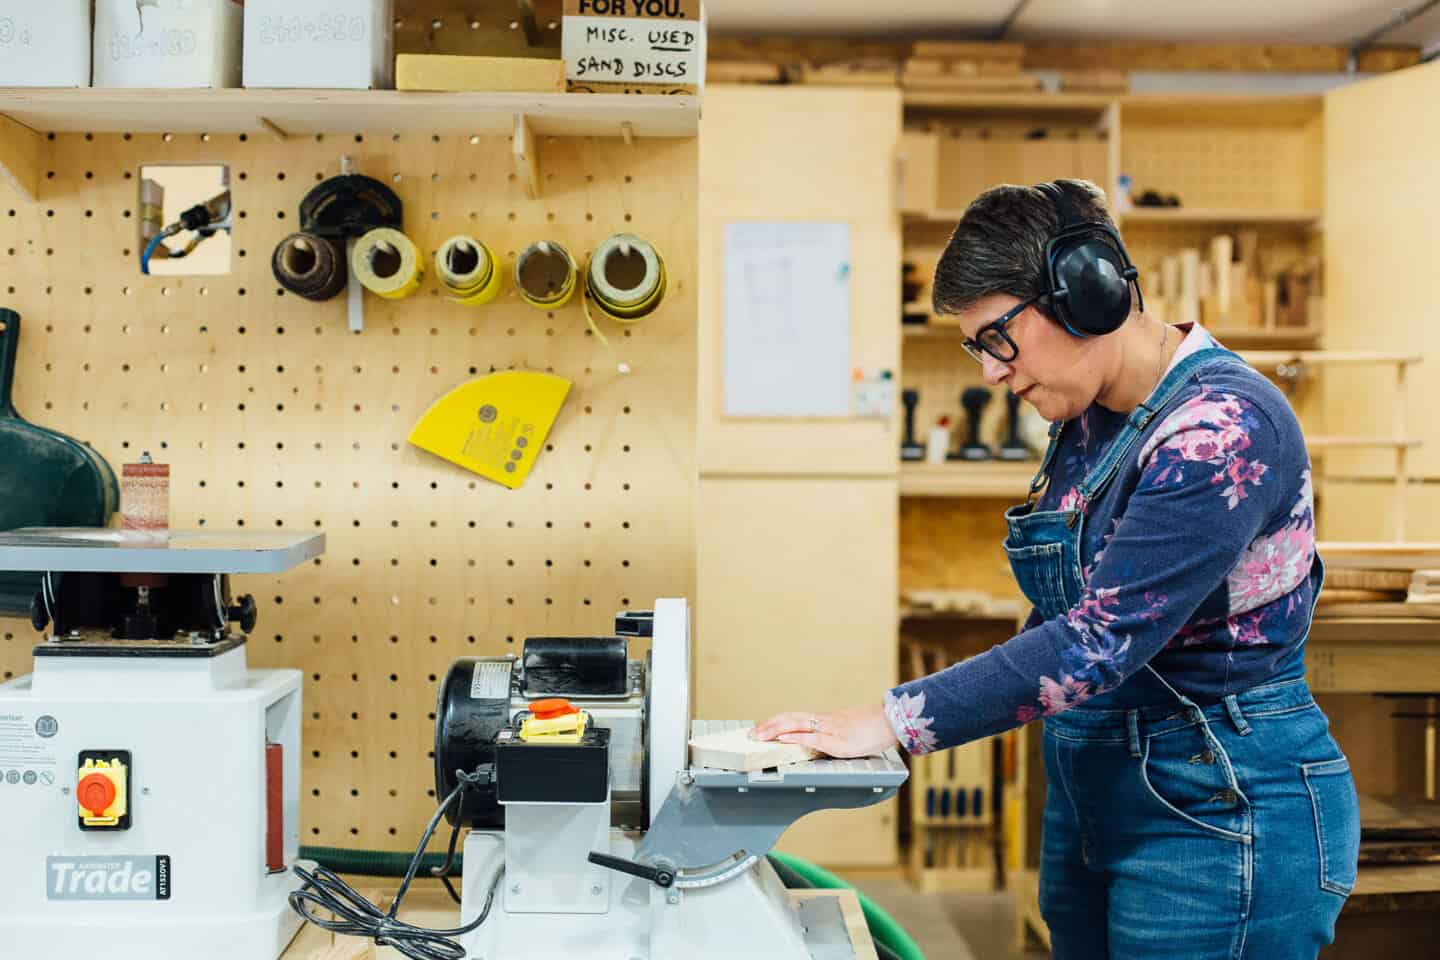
(858, 732)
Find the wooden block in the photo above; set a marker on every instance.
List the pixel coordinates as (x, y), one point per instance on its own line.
(849, 74)
(1271, 301)
(1342, 555)
(955, 83)
(1247, 249)
(946, 50)
(1222, 249)
(1343, 579)
(430, 71)
(1331, 596)
(1095, 81)
(1170, 277)
(734, 750)
(1189, 299)
(1254, 302)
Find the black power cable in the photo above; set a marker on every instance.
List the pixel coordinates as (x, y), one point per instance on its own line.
(356, 916)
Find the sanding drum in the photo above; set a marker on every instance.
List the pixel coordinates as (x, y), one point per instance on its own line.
(309, 266)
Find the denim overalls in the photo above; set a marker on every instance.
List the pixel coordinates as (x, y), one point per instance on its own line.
(1174, 830)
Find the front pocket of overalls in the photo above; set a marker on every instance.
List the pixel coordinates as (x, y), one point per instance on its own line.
(1189, 775)
(1337, 822)
(1040, 571)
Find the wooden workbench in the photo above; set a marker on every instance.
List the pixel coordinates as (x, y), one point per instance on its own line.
(428, 905)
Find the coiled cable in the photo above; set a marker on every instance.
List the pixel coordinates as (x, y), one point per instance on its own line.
(355, 916)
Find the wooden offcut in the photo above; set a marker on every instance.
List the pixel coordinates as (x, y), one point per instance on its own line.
(451, 74)
(735, 750)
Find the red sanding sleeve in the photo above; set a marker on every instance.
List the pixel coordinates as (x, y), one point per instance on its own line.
(274, 807)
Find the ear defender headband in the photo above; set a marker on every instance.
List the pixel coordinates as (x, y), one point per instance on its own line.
(1089, 271)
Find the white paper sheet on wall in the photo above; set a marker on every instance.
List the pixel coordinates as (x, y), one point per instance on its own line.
(787, 320)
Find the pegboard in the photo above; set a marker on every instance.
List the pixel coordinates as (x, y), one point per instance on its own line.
(1236, 167)
(274, 416)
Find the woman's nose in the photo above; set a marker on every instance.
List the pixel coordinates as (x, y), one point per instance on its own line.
(995, 371)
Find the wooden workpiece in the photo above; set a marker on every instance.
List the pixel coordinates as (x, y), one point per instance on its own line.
(273, 415)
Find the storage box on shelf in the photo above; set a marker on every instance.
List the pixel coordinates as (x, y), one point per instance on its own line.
(45, 45)
(149, 45)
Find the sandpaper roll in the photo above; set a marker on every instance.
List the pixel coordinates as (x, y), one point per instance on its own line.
(309, 266)
(575, 666)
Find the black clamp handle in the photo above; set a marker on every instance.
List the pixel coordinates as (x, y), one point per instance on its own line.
(659, 876)
(244, 613)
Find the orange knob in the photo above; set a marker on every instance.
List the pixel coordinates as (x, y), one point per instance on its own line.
(551, 708)
(96, 792)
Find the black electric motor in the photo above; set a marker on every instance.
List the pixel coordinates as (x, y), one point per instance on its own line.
(474, 706)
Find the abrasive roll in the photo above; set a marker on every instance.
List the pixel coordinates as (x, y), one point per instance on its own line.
(626, 278)
(388, 263)
(309, 266)
(545, 275)
(468, 271)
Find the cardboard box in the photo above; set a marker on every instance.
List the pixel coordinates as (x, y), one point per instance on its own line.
(319, 44)
(168, 43)
(45, 44)
(634, 46)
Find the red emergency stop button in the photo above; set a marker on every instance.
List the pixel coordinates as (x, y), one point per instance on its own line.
(551, 708)
(96, 792)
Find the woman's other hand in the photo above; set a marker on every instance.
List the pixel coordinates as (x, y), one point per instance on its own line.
(858, 732)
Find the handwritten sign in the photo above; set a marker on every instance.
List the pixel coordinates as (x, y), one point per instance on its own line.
(633, 45)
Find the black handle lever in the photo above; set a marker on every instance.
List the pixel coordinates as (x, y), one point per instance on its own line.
(657, 875)
(244, 613)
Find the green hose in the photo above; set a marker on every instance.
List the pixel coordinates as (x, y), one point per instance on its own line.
(891, 940)
(373, 863)
(883, 927)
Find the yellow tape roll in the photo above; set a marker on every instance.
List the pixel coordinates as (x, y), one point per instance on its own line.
(468, 271)
(388, 263)
(545, 275)
(626, 279)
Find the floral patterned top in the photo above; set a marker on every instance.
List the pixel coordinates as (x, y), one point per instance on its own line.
(1198, 559)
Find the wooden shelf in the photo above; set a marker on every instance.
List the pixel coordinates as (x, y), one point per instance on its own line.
(347, 111)
(1270, 358)
(27, 114)
(1005, 102)
(982, 479)
(1302, 218)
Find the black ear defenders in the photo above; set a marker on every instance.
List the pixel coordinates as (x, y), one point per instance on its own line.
(1089, 271)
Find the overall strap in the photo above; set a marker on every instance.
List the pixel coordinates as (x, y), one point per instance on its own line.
(1042, 476)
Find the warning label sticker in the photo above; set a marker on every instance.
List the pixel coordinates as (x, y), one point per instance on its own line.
(27, 749)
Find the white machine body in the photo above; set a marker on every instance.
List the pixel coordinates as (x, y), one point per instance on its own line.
(190, 876)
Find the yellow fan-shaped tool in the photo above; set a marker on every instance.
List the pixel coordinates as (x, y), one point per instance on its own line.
(494, 425)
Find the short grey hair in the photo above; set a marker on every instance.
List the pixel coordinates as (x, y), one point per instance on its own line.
(999, 244)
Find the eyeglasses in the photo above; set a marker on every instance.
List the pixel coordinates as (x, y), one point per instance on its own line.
(993, 337)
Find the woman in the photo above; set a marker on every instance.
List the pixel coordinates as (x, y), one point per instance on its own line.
(1197, 805)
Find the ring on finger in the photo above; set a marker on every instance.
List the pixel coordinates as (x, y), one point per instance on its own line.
(814, 723)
